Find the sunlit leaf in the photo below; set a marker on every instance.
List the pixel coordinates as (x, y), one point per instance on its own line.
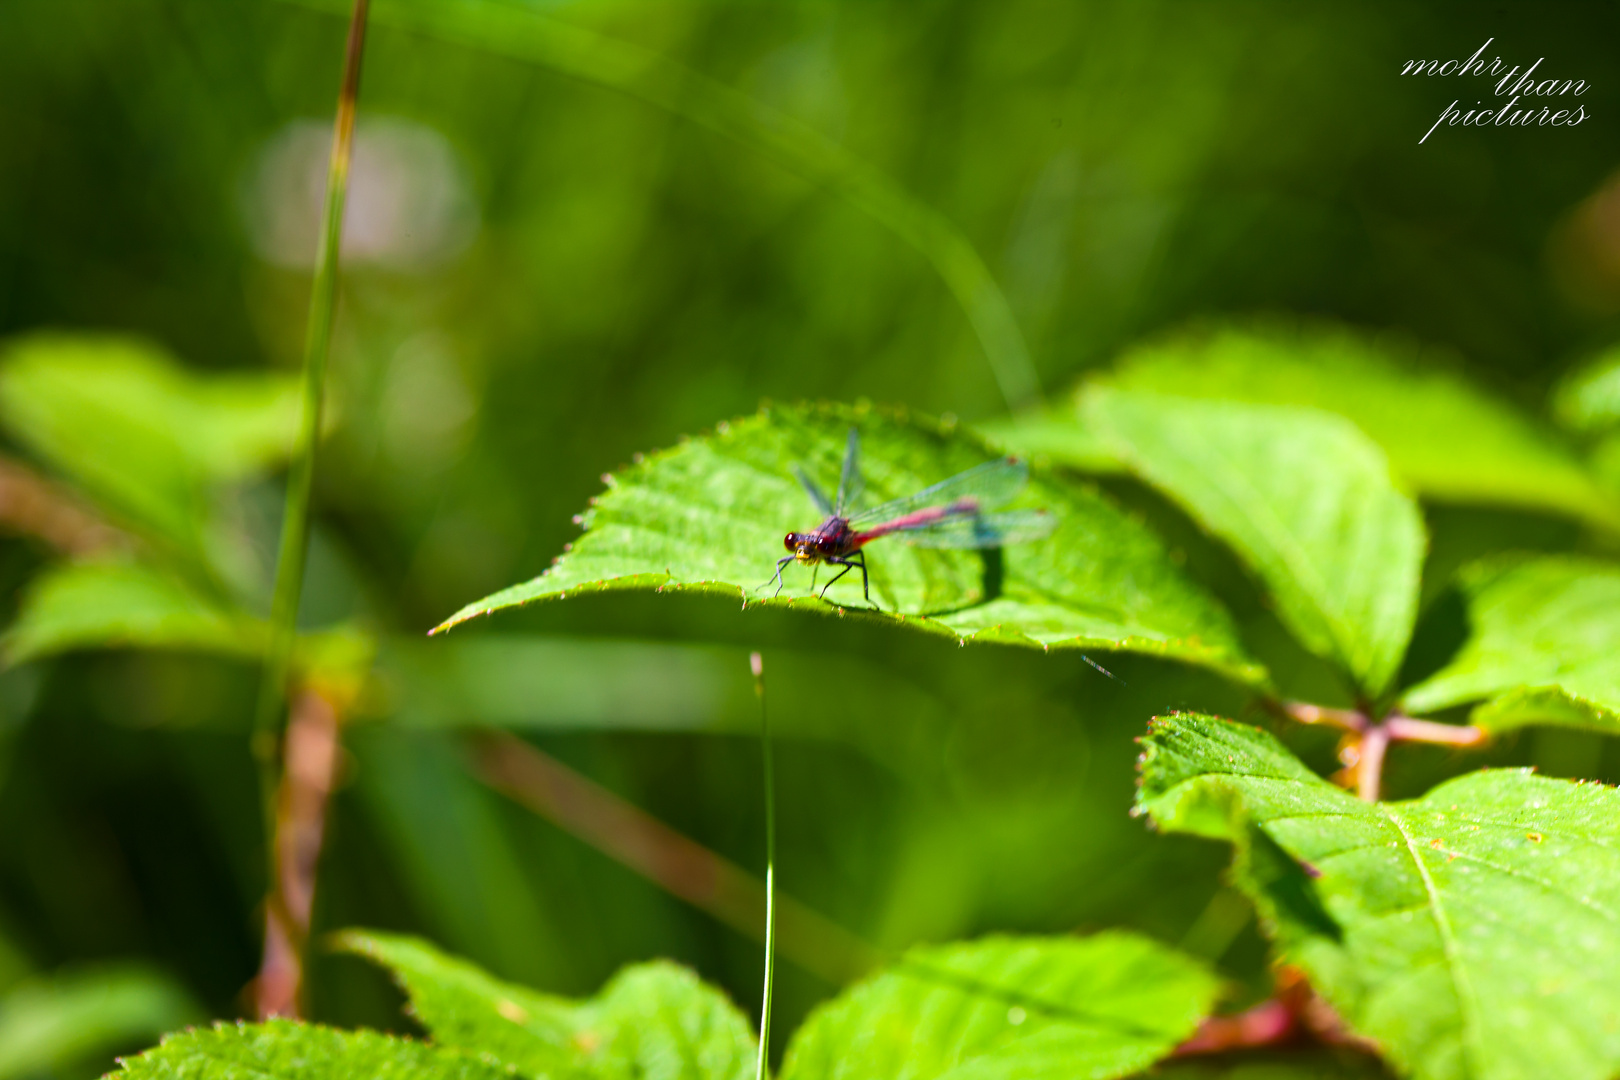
(1058, 434)
(1304, 498)
(139, 432)
(1444, 437)
(709, 516)
(1472, 933)
(59, 1021)
(653, 1021)
(122, 605)
(286, 1050)
(1008, 1007)
(1543, 646)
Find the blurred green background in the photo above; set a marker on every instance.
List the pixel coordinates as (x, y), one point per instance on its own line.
(544, 277)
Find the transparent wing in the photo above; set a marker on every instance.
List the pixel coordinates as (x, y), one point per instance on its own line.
(849, 482)
(817, 496)
(979, 530)
(986, 486)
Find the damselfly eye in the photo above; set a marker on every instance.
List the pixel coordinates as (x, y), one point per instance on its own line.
(788, 543)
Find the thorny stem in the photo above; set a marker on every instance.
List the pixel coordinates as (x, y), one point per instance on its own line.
(757, 664)
(295, 518)
(1366, 740)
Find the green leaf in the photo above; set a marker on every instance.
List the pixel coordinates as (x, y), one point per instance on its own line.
(1444, 437)
(56, 1023)
(1588, 400)
(1472, 933)
(1055, 434)
(1304, 498)
(122, 604)
(1543, 646)
(139, 432)
(1007, 1007)
(709, 516)
(118, 604)
(288, 1050)
(653, 1021)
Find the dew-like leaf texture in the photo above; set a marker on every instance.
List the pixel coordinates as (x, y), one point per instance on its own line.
(139, 432)
(1543, 645)
(53, 1023)
(118, 605)
(710, 515)
(654, 1021)
(1007, 1007)
(287, 1050)
(1445, 438)
(1302, 497)
(1473, 933)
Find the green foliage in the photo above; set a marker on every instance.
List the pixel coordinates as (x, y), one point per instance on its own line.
(144, 436)
(1003, 1007)
(287, 1050)
(122, 604)
(709, 516)
(1470, 933)
(1304, 498)
(58, 1022)
(1419, 416)
(655, 1021)
(1588, 400)
(1543, 646)
(1096, 1007)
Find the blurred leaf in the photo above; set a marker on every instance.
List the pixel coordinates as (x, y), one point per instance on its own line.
(124, 605)
(58, 1022)
(709, 516)
(1059, 435)
(140, 432)
(1588, 399)
(1096, 1007)
(1543, 646)
(1471, 932)
(531, 36)
(1444, 437)
(656, 1021)
(287, 1050)
(121, 605)
(1304, 498)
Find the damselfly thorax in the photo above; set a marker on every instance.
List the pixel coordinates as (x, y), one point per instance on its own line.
(950, 514)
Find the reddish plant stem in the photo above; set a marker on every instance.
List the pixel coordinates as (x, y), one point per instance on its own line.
(1369, 764)
(1366, 741)
(309, 770)
(673, 862)
(1293, 1012)
(33, 506)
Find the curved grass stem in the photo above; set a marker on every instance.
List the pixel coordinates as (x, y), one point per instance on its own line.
(757, 664)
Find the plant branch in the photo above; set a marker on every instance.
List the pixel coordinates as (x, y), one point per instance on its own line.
(31, 505)
(1365, 741)
(673, 862)
(285, 931)
(313, 752)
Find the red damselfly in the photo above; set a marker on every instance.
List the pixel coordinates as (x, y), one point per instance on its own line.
(951, 514)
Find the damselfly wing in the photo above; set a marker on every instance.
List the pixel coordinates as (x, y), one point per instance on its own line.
(954, 513)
